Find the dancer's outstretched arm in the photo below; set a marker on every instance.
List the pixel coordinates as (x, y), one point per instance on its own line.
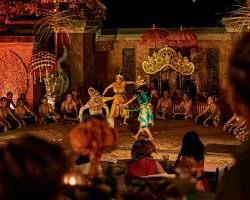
(82, 110)
(130, 101)
(107, 88)
(131, 82)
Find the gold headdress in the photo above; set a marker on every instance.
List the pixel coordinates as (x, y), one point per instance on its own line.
(91, 90)
(119, 76)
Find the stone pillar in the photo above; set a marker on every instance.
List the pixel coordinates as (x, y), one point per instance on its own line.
(75, 60)
(88, 61)
(81, 61)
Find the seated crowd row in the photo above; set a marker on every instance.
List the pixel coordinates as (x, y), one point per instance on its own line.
(179, 106)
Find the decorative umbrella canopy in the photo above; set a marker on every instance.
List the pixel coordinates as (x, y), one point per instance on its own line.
(42, 64)
(154, 36)
(182, 38)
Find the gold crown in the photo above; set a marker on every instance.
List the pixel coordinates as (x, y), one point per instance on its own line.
(91, 90)
(119, 76)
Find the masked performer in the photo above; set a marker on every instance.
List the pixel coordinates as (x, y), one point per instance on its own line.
(95, 106)
(119, 87)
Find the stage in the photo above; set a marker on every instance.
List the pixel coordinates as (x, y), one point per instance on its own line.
(167, 134)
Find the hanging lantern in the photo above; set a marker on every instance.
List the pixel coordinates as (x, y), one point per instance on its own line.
(42, 65)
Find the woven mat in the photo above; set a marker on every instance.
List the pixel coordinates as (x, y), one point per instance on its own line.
(220, 148)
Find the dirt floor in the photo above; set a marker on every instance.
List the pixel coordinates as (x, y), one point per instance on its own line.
(168, 136)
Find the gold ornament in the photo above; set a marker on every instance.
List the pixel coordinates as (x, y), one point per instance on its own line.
(168, 58)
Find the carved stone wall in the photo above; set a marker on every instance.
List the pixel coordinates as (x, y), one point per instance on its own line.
(128, 68)
(14, 59)
(212, 63)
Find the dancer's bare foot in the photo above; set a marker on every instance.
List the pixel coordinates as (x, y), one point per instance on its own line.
(150, 138)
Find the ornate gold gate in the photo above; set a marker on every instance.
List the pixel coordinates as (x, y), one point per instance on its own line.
(168, 58)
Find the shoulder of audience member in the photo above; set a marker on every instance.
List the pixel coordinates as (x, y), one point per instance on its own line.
(243, 153)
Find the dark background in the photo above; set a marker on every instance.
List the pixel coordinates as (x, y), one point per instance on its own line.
(166, 13)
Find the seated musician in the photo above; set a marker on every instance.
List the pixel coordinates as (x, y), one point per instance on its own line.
(211, 115)
(69, 109)
(236, 125)
(164, 106)
(10, 101)
(7, 117)
(185, 108)
(24, 114)
(76, 98)
(47, 112)
(3, 126)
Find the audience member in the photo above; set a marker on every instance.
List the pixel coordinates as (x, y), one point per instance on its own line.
(31, 168)
(142, 163)
(192, 155)
(236, 183)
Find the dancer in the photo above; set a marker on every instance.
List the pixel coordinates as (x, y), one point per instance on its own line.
(95, 106)
(145, 113)
(118, 87)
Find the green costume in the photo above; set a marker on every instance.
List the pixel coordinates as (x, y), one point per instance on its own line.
(146, 116)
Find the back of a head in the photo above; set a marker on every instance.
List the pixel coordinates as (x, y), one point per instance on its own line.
(31, 168)
(142, 148)
(239, 71)
(9, 94)
(192, 146)
(143, 88)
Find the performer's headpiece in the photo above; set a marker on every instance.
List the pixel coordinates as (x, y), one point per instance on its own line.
(91, 90)
(119, 76)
